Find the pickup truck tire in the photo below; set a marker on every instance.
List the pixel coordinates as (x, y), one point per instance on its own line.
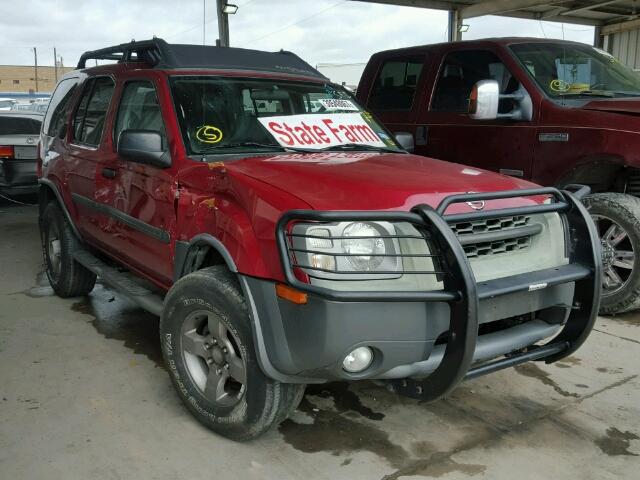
(617, 218)
(67, 277)
(207, 344)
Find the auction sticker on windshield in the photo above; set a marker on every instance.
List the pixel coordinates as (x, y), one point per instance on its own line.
(318, 131)
(338, 104)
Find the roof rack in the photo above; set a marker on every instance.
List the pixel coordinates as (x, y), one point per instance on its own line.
(159, 54)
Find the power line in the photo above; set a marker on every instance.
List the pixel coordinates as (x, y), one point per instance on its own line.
(286, 27)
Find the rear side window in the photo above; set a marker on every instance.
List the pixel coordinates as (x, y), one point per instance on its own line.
(58, 107)
(12, 125)
(139, 110)
(396, 84)
(91, 115)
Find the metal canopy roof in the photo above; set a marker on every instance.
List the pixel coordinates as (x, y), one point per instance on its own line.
(583, 12)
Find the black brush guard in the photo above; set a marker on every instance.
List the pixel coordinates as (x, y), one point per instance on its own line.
(460, 288)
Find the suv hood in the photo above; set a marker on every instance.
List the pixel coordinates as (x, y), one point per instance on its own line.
(375, 181)
(615, 106)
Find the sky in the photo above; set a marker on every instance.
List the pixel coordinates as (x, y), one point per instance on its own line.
(320, 31)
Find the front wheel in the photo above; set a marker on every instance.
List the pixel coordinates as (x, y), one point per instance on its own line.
(208, 347)
(617, 219)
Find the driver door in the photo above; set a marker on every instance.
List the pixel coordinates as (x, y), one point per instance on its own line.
(502, 145)
(144, 194)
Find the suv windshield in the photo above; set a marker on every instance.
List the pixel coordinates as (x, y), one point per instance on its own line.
(227, 115)
(568, 70)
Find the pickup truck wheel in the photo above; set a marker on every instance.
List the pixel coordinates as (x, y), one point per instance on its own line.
(207, 343)
(617, 219)
(67, 277)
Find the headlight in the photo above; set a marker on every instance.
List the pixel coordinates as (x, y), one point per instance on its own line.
(364, 254)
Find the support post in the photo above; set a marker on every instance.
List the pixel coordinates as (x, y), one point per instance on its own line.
(455, 22)
(598, 38)
(223, 23)
(35, 62)
(55, 64)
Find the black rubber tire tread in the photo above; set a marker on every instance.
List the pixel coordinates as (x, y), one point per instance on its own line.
(271, 401)
(625, 210)
(74, 279)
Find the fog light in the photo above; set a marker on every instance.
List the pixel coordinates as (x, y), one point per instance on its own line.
(358, 360)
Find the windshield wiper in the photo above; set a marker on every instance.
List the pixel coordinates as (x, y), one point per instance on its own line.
(245, 144)
(358, 146)
(590, 93)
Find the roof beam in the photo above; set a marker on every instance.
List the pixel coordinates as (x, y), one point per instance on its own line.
(434, 4)
(620, 27)
(589, 7)
(499, 7)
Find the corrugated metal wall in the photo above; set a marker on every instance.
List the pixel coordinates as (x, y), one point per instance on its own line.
(625, 46)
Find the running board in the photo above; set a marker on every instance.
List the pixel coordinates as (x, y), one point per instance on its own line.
(121, 282)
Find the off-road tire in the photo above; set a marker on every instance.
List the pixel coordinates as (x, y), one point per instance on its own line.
(264, 402)
(625, 211)
(70, 279)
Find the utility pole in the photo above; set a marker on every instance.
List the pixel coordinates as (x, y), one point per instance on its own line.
(55, 64)
(35, 61)
(204, 20)
(223, 23)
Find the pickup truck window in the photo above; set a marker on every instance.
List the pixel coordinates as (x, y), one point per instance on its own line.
(226, 115)
(92, 111)
(396, 83)
(576, 71)
(461, 70)
(139, 110)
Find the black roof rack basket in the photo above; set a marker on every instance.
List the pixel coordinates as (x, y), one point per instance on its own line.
(160, 54)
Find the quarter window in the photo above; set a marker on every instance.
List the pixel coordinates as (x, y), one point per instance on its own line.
(92, 111)
(56, 115)
(139, 110)
(395, 86)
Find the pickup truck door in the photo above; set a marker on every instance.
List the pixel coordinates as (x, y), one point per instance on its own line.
(501, 145)
(144, 195)
(393, 95)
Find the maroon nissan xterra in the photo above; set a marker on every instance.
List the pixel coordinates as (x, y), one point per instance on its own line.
(285, 238)
(549, 111)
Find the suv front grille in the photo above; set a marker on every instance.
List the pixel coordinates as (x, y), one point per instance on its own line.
(481, 246)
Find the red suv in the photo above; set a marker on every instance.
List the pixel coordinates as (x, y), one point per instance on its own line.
(285, 238)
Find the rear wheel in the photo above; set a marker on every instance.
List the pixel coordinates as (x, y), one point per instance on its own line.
(208, 346)
(67, 277)
(617, 219)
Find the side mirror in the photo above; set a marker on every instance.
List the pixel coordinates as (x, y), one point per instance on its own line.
(405, 140)
(143, 146)
(484, 102)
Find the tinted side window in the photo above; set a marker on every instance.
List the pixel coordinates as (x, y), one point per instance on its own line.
(395, 85)
(461, 71)
(58, 107)
(92, 111)
(139, 110)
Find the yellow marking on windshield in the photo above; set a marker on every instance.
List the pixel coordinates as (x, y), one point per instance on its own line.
(208, 134)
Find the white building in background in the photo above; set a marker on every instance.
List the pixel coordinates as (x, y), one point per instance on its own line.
(347, 74)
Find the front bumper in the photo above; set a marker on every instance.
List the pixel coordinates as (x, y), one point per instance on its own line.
(432, 337)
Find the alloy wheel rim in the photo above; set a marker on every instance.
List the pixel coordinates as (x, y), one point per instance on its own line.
(212, 357)
(54, 251)
(618, 255)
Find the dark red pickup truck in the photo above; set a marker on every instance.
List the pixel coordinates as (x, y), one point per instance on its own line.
(550, 111)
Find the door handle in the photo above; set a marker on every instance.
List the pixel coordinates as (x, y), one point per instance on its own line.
(109, 172)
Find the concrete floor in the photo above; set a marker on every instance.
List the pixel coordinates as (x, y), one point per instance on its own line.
(83, 394)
